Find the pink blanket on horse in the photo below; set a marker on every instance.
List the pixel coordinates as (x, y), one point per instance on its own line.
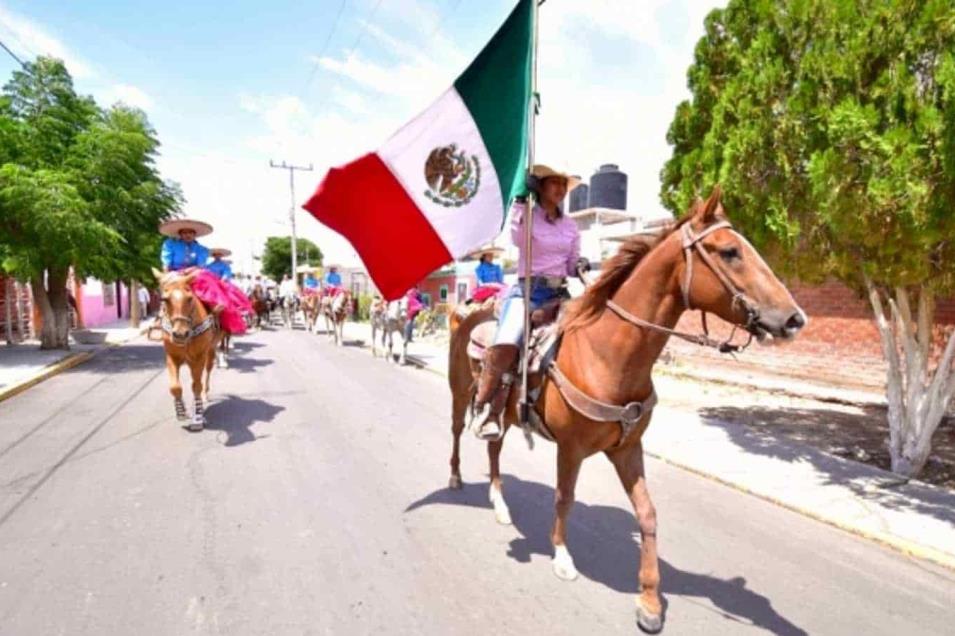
(213, 291)
(483, 292)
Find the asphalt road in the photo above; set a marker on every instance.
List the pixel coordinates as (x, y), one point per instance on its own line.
(316, 503)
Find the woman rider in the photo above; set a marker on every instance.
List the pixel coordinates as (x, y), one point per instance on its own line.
(218, 266)
(555, 254)
(180, 252)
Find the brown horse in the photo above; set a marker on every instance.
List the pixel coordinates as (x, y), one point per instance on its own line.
(336, 310)
(190, 336)
(611, 338)
(260, 305)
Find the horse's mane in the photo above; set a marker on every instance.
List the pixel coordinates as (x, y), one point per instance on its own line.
(588, 307)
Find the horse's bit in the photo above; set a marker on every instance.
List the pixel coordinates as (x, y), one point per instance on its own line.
(167, 324)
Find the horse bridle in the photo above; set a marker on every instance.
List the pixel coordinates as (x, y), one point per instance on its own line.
(693, 243)
(168, 322)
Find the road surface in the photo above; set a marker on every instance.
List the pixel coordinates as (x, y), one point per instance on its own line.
(315, 503)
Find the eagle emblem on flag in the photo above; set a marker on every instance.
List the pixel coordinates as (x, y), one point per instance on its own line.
(452, 175)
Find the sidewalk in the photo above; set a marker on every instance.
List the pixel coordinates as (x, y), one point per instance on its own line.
(914, 518)
(24, 365)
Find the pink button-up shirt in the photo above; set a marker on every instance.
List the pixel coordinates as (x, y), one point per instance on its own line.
(555, 245)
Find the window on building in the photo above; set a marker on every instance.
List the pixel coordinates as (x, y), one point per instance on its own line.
(462, 292)
(443, 293)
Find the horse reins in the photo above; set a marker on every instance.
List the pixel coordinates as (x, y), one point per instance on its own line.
(167, 323)
(692, 243)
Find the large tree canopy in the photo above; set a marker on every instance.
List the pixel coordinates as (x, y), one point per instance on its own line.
(277, 258)
(831, 126)
(78, 188)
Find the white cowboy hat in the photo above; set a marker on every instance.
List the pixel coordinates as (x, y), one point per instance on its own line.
(493, 250)
(306, 269)
(172, 227)
(543, 172)
(221, 251)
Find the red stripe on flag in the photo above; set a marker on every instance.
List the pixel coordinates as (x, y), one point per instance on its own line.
(364, 202)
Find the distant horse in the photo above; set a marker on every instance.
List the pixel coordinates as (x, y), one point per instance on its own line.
(388, 318)
(289, 307)
(336, 310)
(190, 336)
(595, 393)
(260, 304)
(311, 307)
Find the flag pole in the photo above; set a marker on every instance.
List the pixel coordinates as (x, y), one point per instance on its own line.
(528, 231)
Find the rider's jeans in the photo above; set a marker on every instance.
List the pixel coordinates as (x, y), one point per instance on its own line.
(510, 329)
(409, 327)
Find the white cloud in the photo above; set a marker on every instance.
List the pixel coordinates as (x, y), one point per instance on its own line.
(28, 40)
(129, 95)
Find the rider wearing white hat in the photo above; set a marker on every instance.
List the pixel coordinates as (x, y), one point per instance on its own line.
(219, 267)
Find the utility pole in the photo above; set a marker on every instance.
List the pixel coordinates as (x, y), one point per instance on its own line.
(291, 212)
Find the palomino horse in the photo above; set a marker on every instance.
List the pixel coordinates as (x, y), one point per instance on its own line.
(311, 306)
(336, 310)
(190, 336)
(387, 317)
(598, 395)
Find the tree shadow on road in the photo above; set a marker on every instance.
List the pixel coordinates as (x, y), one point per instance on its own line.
(235, 416)
(867, 482)
(604, 543)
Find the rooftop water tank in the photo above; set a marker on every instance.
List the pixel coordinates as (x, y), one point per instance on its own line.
(578, 198)
(608, 188)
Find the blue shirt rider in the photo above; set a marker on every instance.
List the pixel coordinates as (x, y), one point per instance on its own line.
(488, 271)
(333, 278)
(310, 282)
(182, 250)
(218, 266)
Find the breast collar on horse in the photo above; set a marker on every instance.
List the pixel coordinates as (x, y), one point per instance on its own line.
(630, 414)
(167, 323)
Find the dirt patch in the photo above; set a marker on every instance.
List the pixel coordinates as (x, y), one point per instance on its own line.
(852, 432)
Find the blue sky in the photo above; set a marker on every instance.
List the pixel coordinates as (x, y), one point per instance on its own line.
(229, 86)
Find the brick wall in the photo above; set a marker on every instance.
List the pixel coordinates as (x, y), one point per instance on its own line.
(840, 344)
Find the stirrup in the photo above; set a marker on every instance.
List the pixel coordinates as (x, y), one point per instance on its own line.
(484, 426)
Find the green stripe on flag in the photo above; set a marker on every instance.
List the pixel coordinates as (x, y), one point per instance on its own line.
(496, 88)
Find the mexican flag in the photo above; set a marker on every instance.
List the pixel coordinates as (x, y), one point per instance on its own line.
(440, 186)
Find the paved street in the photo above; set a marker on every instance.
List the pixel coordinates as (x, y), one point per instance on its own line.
(315, 503)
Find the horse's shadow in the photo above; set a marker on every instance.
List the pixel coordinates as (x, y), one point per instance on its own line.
(235, 416)
(245, 345)
(248, 365)
(605, 545)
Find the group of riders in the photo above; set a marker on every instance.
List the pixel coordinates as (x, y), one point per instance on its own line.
(555, 254)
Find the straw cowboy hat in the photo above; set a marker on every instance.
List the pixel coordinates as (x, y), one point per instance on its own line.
(172, 227)
(543, 172)
(221, 251)
(479, 253)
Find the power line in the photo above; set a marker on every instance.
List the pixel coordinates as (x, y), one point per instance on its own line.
(324, 48)
(13, 55)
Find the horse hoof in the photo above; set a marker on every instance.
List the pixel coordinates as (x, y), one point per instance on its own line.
(196, 426)
(503, 516)
(563, 564)
(455, 482)
(647, 622)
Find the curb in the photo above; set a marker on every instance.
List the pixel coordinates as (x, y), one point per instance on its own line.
(70, 361)
(908, 548)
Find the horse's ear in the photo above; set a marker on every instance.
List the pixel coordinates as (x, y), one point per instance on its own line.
(713, 208)
(157, 274)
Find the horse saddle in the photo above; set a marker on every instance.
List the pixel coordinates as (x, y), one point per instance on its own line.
(544, 332)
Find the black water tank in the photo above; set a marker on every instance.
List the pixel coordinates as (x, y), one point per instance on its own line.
(578, 198)
(608, 188)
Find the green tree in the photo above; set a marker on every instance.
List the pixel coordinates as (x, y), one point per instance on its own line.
(78, 188)
(831, 126)
(277, 257)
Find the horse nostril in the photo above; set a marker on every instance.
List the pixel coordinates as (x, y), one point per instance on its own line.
(796, 321)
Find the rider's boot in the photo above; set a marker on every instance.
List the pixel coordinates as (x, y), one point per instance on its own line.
(497, 377)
